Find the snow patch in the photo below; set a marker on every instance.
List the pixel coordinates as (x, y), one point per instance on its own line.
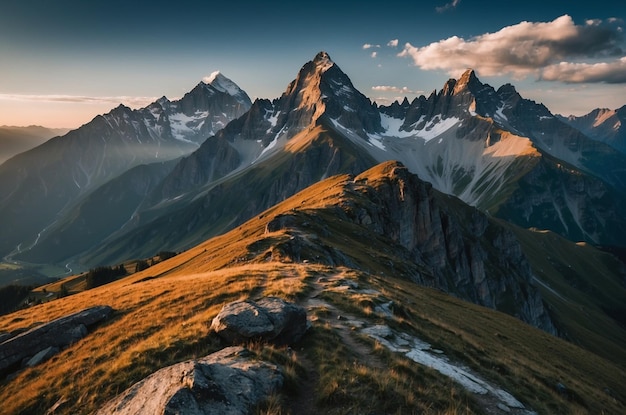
(434, 129)
(222, 84)
(422, 353)
(183, 125)
(376, 141)
(392, 126)
(272, 119)
(500, 114)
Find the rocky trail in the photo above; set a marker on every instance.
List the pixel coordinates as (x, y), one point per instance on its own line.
(494, 400)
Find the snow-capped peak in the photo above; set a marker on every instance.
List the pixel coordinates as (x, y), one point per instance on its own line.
(212, 77)
(222, 83)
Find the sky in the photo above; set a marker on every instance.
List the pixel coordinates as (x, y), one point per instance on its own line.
(63, 62)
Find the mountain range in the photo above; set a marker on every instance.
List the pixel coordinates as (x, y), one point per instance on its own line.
(43, 186)
(506, 155)
(15, 140)
(471, 192)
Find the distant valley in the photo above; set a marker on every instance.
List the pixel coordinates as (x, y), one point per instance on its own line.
(15, 140)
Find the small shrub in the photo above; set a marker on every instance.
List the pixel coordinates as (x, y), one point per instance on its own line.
(103, 275)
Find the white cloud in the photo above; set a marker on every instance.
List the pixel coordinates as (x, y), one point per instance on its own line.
(374, 54)
(370, 46)
(608, 72)
(127, 100)
(395, 89)
(448, 6)
(522, 49)
(393, 43)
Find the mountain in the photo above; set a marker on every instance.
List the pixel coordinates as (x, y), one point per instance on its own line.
(281, 147)
(40, 186)
(510, 157)
(421, 297)
(354, 251)
(604, 125)
(15, 140)
(467, 140)
(493, 149)
(274, 150)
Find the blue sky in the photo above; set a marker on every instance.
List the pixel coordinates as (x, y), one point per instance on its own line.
(63, 62)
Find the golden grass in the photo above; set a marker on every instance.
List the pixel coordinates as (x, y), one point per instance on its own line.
(164, 320)
(156, 323)
(523, 360)
(350, 385)
(163, 314)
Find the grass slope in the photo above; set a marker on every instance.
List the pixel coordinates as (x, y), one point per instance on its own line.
(162, 316)
(585, 289)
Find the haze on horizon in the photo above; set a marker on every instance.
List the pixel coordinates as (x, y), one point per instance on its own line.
(65, 62)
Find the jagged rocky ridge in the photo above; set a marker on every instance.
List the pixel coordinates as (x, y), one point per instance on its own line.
(491, 148)
(508, 156)
(430, 238)
(456, 139)
(602, 124)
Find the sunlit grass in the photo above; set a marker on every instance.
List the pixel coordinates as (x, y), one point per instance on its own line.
(156, 323)
(162, 316)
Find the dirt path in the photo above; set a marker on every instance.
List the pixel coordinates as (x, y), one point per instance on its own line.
(492, 399)
(342, 322)
(304, 403)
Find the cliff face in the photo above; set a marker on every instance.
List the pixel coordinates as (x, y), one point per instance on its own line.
(469, 256)
(570, 203)
(452, 246)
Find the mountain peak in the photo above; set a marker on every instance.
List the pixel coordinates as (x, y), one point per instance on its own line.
(209, 79)
(323, 61)
(466, 80)
(223, 84)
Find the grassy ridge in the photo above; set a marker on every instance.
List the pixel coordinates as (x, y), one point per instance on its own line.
(582, 286)
(162, 316)
(165, 320)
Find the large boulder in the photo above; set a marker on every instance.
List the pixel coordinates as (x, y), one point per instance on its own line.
(48, 337)
(269, 319)
(230, 381)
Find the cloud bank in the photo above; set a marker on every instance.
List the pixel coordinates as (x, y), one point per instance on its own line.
(70, 99)
(395, 89)
(558, 50)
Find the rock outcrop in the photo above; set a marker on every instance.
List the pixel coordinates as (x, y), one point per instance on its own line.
(37, 344)
(440, 241)
(230, 381)
(469, 255)
(269, 319)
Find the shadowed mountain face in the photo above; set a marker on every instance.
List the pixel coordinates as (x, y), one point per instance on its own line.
(39, 187)
(15, 140)
(604, 125)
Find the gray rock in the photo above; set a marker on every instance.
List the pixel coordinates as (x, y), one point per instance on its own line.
(503, 408)
(226, 382)
(269, 319)
(447, 241)
(42, 356)
(58, 333)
